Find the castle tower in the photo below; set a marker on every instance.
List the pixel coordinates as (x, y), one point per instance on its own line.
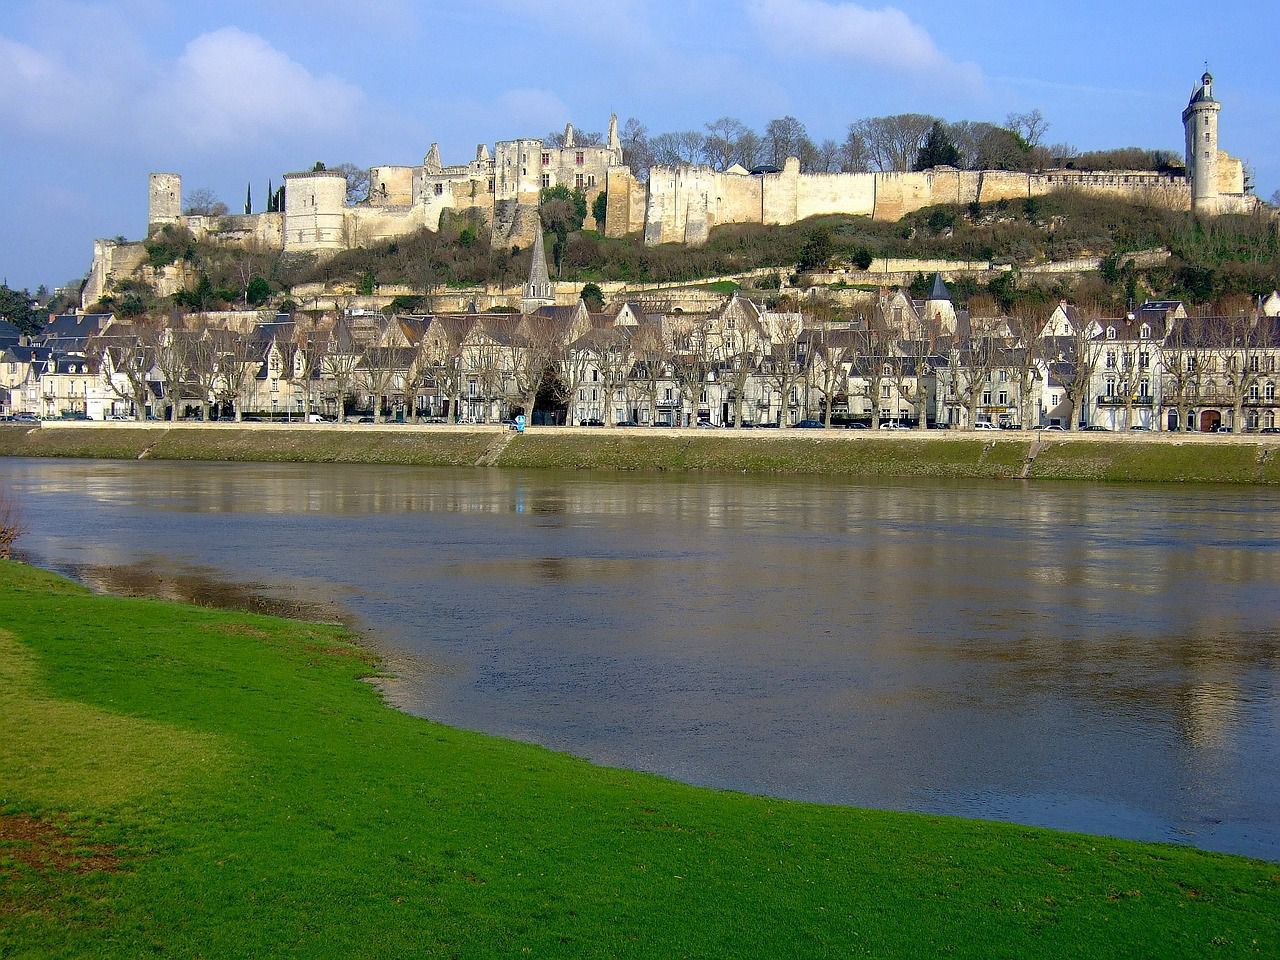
(613, 143)
(164, 198)
(314, 210)
(568, 136)
(1200, 121)
(431, 162)
(537, 292)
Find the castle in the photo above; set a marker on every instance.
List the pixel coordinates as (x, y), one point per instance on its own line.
(674, 205)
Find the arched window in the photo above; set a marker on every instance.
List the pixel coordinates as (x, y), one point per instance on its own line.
(1111, 333)
(1144, 333)
(1270, 390)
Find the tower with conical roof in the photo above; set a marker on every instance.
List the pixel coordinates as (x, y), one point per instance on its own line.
(1200, 121)
(537, 292)
(938, 307)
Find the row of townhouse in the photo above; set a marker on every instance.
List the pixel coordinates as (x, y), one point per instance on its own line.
(916, 363)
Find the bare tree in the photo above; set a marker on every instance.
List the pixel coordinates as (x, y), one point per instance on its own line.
(1183, 361)
(237, 366)
(1243, 341)
(855, 155)
(785, 137)
(675, 149)
(204, 358)
(125, 369)
(1086, 348)
(727, 142)
(783, 363)
(12, 525)
(894, 142)
(1030, 126)
(637, 152)
(203, 202)
(357, 181)
(652, 358)
(376, 375)
(171, 347)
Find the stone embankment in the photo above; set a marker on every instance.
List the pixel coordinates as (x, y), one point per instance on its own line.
(1151, 458)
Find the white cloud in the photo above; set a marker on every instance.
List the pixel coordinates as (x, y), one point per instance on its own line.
(227, 89)
(884, 37)
(231, 87)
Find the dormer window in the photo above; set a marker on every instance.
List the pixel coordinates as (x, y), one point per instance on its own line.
(1111, 333)
(1145, 332)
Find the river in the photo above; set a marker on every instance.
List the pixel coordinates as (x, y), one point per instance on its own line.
(1082, 656)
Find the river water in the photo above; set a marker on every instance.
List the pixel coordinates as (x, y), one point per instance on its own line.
(1090, 657)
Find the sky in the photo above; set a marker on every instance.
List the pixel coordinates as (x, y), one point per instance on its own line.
(94, 96)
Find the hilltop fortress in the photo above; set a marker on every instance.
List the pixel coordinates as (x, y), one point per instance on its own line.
(674, 205)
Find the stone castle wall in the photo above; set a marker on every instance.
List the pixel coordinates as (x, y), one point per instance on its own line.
(683, 203)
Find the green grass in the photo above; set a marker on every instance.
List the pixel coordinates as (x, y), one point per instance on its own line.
(1152, 462)
(260, 801)
(796, 452)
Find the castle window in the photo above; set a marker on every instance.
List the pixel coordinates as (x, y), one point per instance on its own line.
(578, 158)
(491, 184)
(546, 180)
(546, 159)
(578, 181)
(1111, 359)
(1271, 390)
(439, 189)
(591, 179)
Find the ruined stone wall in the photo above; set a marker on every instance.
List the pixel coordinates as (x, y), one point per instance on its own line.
(164, 198)
(391, 185)
(365, 225)
(241, 230)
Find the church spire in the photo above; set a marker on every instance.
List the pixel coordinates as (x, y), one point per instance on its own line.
(537, 292)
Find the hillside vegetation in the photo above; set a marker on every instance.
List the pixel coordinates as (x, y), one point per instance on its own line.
(1211, 258)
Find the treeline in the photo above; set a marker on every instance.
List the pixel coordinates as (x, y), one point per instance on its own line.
(887, 144)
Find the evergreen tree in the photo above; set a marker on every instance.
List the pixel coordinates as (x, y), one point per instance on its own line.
(248, 199)
(938, 150)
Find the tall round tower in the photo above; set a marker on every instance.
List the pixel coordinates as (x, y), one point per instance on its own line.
(1200, 121)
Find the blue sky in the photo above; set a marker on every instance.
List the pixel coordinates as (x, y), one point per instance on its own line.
(93, 96)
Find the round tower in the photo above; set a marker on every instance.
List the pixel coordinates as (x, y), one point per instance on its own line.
(314, 210)
(1200, 122)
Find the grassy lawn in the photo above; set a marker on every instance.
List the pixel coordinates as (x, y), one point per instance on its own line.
(177, 781)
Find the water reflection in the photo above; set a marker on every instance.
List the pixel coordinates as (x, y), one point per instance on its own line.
(1084, 656)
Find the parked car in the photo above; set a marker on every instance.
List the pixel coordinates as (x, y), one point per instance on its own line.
(75, 415)
(705, 425)
(119, 417)
(985, 426)
(855, 425)
(591, 422)
(1270, 430)
(626, 423)
(366, 420)
(25, 418)
(1055, 428)
(810, 425)
(318, 418)
(1138, 426)
(1224, 430)
(1098, 428)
